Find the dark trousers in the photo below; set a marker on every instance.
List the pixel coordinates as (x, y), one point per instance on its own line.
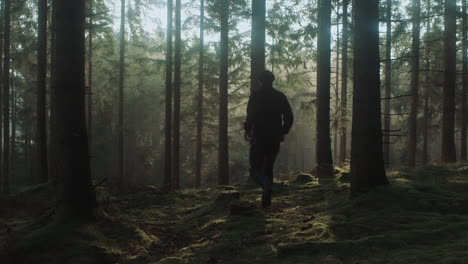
(263, 154)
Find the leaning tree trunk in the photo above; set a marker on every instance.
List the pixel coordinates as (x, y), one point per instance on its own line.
(120, 132)
(257, 55)
(198, 151)
(41, 92)
(344, 85)
(388, 84)
(168, 118)
(77, 194)
(6, 98)
(223, 155)
(413, 118)
(324, 153)
(367, 164)
(177, 72)
(464, 110)
(450, 75)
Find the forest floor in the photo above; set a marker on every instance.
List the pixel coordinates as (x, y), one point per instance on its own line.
(421, 217)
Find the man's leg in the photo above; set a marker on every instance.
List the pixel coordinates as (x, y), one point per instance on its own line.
(256, 160)
(270, 157)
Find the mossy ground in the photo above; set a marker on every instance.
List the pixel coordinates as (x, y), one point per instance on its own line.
(421, 217)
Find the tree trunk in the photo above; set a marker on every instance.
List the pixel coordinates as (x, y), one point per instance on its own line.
(257, 56)
(367, 164)
(14, 111)
(177, 72)
(53, 176)
(120, 144)
(464, 82)
(78, 196)
(324, 153)
(90, 76)
(427, 86)
(413, 118)
(344, 85)
(388, 84)
(223, 155)
(2, 27)
(168, 118)
(337, 86)
(41, 92)
(198, 160)
(6, 99)
(450, 74)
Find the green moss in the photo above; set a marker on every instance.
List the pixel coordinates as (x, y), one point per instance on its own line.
(421, 217)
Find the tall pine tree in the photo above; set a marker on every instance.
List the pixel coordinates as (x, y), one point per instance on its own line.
(324, 153)
(78, 199)
(367, 164)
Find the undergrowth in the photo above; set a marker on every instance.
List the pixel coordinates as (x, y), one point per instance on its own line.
(421, 217)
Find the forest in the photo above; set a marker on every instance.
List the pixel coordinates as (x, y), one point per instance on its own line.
(233, 131)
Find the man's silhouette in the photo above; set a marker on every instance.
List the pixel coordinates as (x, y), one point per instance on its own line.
(269, 119)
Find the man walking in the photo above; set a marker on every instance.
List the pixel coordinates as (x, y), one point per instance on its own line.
(269, 119)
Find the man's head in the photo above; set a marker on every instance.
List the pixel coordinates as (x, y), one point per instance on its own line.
(267, 77)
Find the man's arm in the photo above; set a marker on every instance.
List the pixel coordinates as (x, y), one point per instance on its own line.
(288, 117)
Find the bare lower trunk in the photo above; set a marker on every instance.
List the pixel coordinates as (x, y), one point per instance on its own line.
(198, 151)
(448, 115)
(324, 153)
(90, 77)
(120, 131)
(168, 92)
(177, 72)
(367, 164)
(344, 86)
(223, 155)
(427, 86)
(6, 99)
(464, 110)
(78, 199)
(388, 84)
(413, 118)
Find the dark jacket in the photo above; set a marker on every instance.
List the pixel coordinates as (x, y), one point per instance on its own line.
(269, 114)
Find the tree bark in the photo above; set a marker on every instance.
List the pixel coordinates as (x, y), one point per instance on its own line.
(337, 86)
(14, 111)
(257, 56)
(2, 28)
(177, 72)
(41, 92)
(464, 82)
(324, 153)
(344, 85)
(427, 86)
(90, 76)
(367, 164)
(168, 115)
(448, 115)
(223, 155)
(388, 83)
(53, 176)
(78, 196)
(198, 159)
(6, 98)
(413, 118)
(120, 144)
